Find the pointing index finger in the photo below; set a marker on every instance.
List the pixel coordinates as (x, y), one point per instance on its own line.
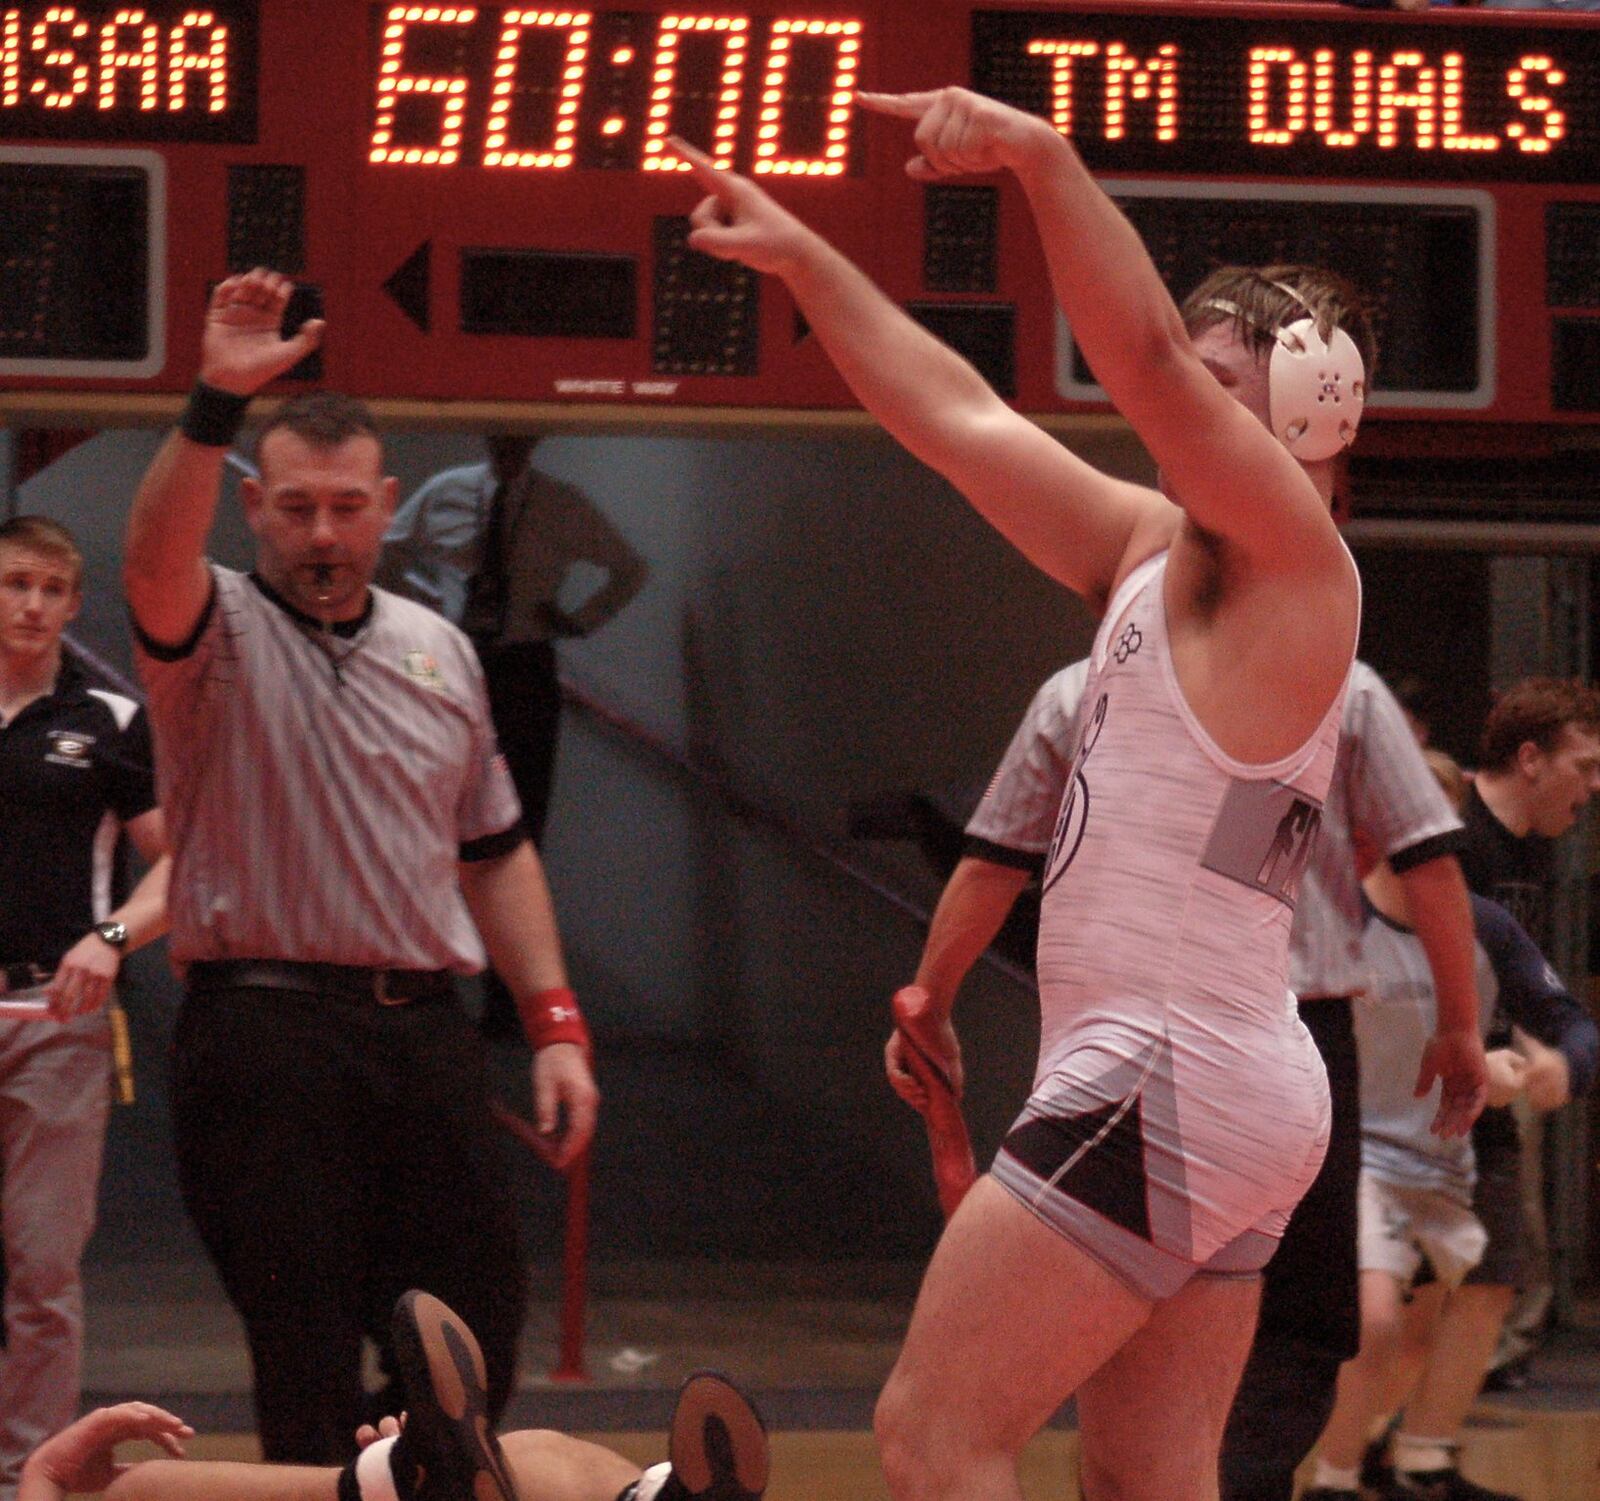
(705, 172)
(902, 106)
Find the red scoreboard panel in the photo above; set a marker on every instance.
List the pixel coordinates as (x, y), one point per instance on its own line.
(482, 198)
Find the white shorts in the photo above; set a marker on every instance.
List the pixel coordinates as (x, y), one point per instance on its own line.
(1174, 1153)
(1401, 1226)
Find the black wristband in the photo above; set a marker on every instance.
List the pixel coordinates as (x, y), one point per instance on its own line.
(212, 417)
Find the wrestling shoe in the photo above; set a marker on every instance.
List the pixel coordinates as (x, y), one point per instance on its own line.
(1377, 1468)
(716, 1450)
(447, 1451)
(1448, 1484)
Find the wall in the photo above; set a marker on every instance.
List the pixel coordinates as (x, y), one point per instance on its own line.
(824, 620)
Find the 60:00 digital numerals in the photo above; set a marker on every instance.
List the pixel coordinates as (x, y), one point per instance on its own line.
(573, 34)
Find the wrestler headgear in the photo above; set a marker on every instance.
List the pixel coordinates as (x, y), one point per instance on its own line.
(1316, 387)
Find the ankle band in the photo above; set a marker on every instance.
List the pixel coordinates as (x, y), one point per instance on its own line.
(373, 1473)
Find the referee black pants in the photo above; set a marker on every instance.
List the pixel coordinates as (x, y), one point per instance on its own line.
(333, 1153)
(1310, 1321)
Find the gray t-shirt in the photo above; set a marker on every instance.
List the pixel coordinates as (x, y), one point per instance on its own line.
(1399, 1013)
(321, 788)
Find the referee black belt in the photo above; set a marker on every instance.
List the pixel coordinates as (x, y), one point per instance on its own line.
(24, 976)
(352, 982)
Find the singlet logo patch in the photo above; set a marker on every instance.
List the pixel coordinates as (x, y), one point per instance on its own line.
(1263, 837)
(1128, 643)
(70, 748)
(422, 668)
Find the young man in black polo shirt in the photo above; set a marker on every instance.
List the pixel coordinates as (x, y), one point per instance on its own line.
(74, 772)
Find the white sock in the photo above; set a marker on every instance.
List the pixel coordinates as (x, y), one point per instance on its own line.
(1413, 1453)
(1335, 1479)
(649, 1483)
(373, 1474)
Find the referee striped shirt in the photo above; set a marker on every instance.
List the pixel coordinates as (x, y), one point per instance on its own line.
(321, 785)
(1016, 820)
(1381, 786)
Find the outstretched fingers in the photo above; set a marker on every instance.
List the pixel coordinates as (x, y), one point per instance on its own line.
(242, 349)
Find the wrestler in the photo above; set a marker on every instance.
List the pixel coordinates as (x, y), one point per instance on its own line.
(1179, 1108)
(443, 1450)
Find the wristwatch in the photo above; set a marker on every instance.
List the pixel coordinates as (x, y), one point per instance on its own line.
(114, 933)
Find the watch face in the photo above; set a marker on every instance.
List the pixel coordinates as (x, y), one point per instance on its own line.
(114, 933)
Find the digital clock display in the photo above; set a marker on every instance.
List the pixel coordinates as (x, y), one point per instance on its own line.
(1301, 98)
(484, 198)
(164, 70)
(510, 88)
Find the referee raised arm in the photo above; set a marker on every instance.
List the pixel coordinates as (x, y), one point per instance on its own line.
(346, 840)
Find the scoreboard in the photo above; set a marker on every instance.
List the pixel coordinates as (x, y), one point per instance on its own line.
(483, 200)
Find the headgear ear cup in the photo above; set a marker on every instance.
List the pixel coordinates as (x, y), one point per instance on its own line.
(1316, 390)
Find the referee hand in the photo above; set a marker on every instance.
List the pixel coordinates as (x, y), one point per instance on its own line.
(242, 348)
(565, 1101)
(1455, 1059)
(83, 980)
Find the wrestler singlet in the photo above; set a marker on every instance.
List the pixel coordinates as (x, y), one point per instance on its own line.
(1179, 1107)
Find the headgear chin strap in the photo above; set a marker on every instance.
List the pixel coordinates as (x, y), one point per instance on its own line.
(1316, 387)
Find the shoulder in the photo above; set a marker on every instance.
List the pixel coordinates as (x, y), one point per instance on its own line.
(418, 620)
(121, 708)
(232, 585)
(1067, 686)
(1365, 683)
(462, 478)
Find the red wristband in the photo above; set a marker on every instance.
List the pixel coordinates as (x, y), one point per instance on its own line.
(552, 1016)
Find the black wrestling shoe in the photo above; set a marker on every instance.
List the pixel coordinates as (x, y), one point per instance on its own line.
(716, 1451)
(448, 1451)
(1448, 1484)
(1377, 1468)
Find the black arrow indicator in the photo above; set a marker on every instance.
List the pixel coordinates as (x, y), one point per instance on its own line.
(409, 285)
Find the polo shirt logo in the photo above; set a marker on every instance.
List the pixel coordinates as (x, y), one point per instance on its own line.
(70, 748)
(424, 669)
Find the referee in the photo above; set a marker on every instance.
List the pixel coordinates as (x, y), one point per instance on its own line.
(345, 841)
(75, 775)
(1383, 796)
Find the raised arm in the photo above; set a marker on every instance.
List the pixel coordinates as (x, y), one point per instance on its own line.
(1219, 462)
(163, 567)
(1070, 520)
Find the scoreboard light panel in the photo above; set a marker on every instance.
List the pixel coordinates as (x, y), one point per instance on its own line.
(485, 196)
